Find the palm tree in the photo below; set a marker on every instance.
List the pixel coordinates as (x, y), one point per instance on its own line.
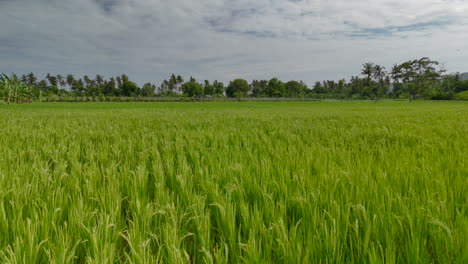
(61, 81)
(99, 80)
(24, 78)
(368, 69)
(395, 73)
(179, 81)
(70, 80)
(173, 83)
(52, 80)
(119, 82)
(164, 87)
(379, 73)
(88, 81)
(31, 79)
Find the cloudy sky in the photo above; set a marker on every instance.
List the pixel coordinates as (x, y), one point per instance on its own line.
(223, 39)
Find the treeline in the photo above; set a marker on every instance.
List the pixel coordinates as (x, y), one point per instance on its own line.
(420, 78)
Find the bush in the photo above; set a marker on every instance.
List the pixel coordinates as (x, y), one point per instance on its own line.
(439, 95)
(463, 96)
(53, 98)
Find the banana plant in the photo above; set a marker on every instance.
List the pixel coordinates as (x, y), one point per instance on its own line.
(12, 90)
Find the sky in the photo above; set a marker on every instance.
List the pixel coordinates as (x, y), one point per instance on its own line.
(309, 40)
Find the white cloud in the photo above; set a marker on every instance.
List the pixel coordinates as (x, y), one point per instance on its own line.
(222, 39)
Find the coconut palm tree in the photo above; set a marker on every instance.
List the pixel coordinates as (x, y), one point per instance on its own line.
(99, 80)
(368, 70)
(52, 79)
(70, 80)
(31, 79)
(379, 73)
(61, 81)
(395, 73)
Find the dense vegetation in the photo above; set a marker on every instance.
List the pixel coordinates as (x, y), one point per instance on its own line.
(421, 78)
(320, 182)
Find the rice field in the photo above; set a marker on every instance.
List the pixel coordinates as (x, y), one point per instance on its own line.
(257, 182)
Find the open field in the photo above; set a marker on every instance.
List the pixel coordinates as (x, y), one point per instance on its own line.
(300, 182)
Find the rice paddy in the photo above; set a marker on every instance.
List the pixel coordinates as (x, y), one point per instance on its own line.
(257, 182)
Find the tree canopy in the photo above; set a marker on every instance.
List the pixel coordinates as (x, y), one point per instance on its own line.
(417, 78)
(238, 88)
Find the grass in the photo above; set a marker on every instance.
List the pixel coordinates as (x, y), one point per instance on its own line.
(316, 182)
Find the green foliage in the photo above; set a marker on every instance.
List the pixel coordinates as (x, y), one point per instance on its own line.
(295, 89)
(128, 88)
(460, 86)
(368, 71)
(418, 75)
(238, 88)
(318, 88)
(463, 96)
(275, 88)
(259, 88)
(208, 88)
(328, 182)
(192, 88)
(219, 88)
(148, 89)
(420, 78)
(12, 90)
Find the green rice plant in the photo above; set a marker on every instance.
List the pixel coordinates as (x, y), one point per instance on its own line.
(250, 182)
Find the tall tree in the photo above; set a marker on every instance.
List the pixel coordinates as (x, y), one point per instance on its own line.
(259, 87)
(368, 70)
(61, 81)
(129, 88)
(99, 80)
(118, 82)
(52, 80)
(70, 80)
(395, 73)
(418, 75)
(275, 88)
(24, 79)
(148, 89)
(192, 88)
(42, 86)
(208, 88)
(78, 87)
(219, 88)
(88, 82)
(31, 79)
(379, 75)
(164, 88)
(238, 88)
(295, 89)
(109, 88)
(179, 81)
(173, 87)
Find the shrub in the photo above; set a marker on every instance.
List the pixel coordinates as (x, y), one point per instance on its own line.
(463, 96)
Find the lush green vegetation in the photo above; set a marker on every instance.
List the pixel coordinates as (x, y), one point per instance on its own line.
(12, 90)
(421, 78)
(336, 182)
